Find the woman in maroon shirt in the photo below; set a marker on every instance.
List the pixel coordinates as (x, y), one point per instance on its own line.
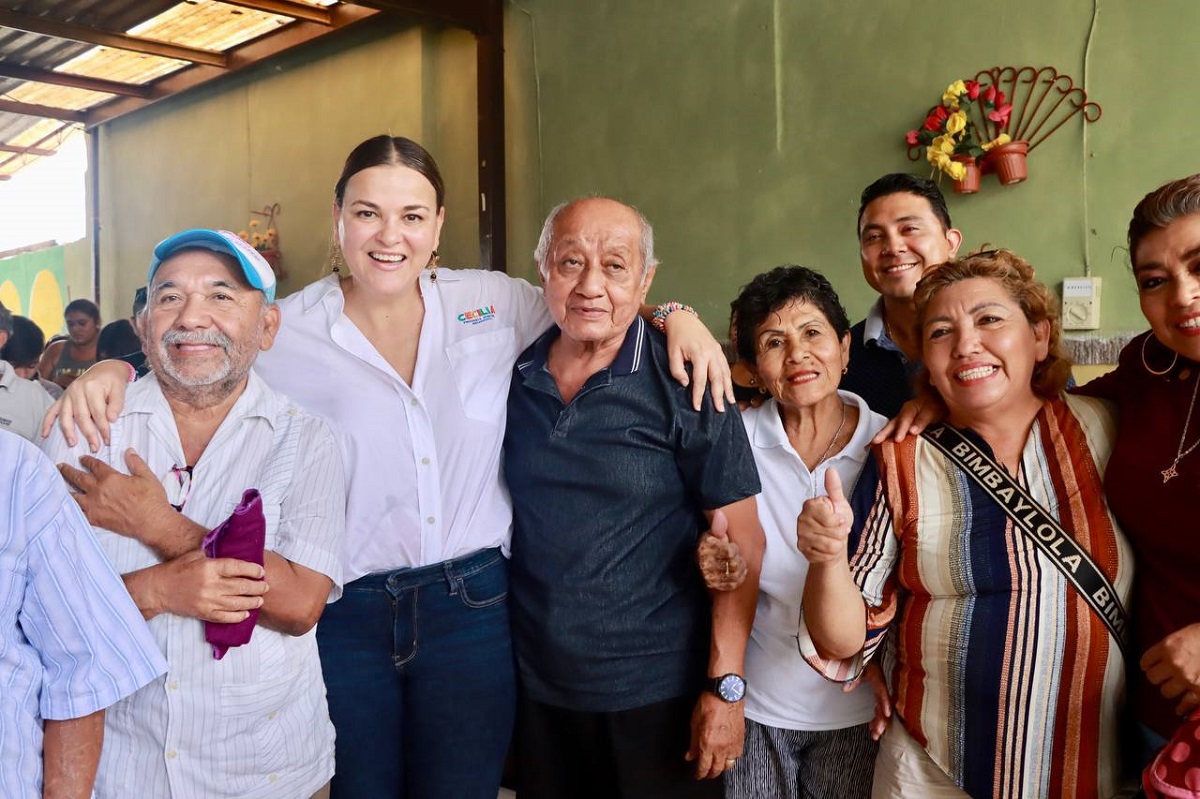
(1153, 477)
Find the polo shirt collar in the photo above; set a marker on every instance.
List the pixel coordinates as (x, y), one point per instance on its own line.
(629, 356)
(769, 433)
(875, 331)
(873, 328)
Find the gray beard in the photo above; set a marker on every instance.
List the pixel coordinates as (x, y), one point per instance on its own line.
(207, 390)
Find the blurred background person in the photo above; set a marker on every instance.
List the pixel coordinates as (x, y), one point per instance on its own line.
(66, 360)
(24, 349)
(23, 402)
(117, 340)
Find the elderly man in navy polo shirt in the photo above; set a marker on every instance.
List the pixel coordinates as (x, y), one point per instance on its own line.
(628, 669)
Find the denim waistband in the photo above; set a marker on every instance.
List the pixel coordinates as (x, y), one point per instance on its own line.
(446, 571)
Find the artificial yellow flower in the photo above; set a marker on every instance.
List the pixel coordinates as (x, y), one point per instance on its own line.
(253, 223)
(1000, 140)
(956, 170)
(953, 92)
(243, 235)
(956, 123)
(945, 143)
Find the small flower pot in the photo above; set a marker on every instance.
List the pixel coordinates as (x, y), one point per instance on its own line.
(1008, 162)
(274, 258)
(970, 181)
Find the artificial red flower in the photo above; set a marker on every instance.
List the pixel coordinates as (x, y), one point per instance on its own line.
(936, 117)
(913, 138)
(989, 94)
(1001, 115)
(972, 89)
(1000, 99)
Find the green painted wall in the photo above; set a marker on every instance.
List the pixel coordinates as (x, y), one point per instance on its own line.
(280, 133)
(672, 105)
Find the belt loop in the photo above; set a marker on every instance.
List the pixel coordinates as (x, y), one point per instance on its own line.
(451, 578)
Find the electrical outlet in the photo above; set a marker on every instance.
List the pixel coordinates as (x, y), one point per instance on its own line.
(1081, 303)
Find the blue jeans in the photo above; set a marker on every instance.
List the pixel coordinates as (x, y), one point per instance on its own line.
(419, 671)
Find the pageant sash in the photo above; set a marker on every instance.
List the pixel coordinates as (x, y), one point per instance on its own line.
(1039, 526)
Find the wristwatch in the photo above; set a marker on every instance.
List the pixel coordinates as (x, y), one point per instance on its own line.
(729, 687)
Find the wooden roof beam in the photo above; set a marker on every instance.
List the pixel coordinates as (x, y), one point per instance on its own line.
(38, 151)
(74, 81)
(34, 110)
(120, 41)
(244, 55)
(287, 8)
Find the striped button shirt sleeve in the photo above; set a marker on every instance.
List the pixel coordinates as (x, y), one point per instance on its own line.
(312, 520)
(93, 644)
(873, 550)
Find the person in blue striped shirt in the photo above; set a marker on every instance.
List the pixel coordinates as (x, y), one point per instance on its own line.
(71, 641)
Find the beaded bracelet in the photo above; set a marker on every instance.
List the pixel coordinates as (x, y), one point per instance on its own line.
(661, 312)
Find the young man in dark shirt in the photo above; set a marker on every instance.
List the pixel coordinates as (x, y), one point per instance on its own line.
(903, 229)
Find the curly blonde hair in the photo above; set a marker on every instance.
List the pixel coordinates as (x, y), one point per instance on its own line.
(1016, 275)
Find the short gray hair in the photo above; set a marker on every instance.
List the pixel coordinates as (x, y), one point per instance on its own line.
(541, 253)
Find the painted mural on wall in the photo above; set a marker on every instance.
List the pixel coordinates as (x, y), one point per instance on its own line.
(34, 284)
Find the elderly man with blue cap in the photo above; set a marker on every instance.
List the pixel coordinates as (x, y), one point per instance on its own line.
(222, 505)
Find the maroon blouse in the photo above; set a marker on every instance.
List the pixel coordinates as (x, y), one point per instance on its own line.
(1160, 519)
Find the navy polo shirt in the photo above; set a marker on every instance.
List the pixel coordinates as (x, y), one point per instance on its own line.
(609, 611)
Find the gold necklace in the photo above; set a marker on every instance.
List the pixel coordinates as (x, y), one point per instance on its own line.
(1181, 453)
(837, 433)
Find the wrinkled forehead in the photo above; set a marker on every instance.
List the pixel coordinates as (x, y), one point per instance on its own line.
(598, 226)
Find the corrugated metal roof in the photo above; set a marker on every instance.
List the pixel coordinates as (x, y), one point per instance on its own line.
(208, 25)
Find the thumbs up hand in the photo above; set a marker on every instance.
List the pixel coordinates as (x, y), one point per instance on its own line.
(824, 524)
(720, 561)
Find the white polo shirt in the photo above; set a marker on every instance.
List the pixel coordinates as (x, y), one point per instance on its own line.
(422, 461)
(783, 691)
(23, 403)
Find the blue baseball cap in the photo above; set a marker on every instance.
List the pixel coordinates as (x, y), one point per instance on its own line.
(255, 268)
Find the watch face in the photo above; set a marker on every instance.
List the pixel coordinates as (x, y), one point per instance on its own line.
(731, 688)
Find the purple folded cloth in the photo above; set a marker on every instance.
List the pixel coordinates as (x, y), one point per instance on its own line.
(243, 536)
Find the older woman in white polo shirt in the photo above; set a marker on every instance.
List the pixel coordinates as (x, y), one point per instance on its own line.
(805, 736)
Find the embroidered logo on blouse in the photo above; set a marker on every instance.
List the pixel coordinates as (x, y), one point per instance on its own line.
(478, 316)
